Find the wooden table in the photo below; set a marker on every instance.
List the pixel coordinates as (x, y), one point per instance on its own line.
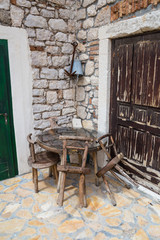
(49, 140)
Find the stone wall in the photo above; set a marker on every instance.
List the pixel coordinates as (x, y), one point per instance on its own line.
(92, 14)
(51, 26)
(51, 29)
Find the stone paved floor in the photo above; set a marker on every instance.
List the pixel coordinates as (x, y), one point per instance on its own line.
(26, 215)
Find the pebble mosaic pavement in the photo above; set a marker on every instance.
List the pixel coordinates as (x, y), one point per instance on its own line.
(26, 215)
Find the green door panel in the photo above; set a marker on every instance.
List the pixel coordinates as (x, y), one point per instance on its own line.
(8, 161)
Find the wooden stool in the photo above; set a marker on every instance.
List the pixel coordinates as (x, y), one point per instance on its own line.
(79, 144)
(107, 145)
(40, 161)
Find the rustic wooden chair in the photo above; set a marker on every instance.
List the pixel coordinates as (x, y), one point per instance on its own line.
(107, 144)
(65, 168)
(40, 161)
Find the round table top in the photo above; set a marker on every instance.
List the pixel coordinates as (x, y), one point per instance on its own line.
(50, 141)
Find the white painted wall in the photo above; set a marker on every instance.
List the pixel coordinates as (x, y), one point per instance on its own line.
(146, 23)
(21, 88)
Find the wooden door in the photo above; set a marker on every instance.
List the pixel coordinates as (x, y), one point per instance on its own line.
(135, 106)
(8, 163)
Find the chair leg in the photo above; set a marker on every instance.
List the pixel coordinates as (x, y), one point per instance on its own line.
(62, 187)
(81, 190)
(79, 159)
(33, 175)
(55, 172)
(85, 201)
(109, 191)
(123, 182)
(35, 180)
(94, 155)
(50, 172)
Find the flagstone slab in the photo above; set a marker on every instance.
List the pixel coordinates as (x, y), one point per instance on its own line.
(11, 181)
(144, 201)
(154, 231)
(155, 218)
(128, 216)
(113, 231)
(27, 202)
(10, 209)
(95, 202)
(101, 236)
(12, 226)
(131, 193)
(70, 226)
(140, 235)
(113, 221)
(2, 206)
(10, 189)
(24, 214)
(110, 211)
(36, 223)
(57, 220)
(121, 200)
(44, 230)
(9, 197)
(23, 192)
(139, 209)
(1, 187)
(27, 232)
(142, 221)
(90, 215)
(71, 210)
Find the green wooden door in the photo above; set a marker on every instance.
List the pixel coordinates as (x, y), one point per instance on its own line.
(8, 161)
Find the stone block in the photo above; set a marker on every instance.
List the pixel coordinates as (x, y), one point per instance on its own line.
(35, 21)
(52, 49)
(81, 14)
(40, 84)
(41, 124)
(4, 4)
(66, 14)
(58, 25)
(60, 61)
(92, 34)
(31, 32)
(88, 2)
(80, 95)
(103, 17)
(17, 16)
(23, 3)
(49, 73)
(81, 47)
(70, 110)
(76, 122)
(58, 84)
(82, 35)
(84, 81)
(81, 112)
(37, 92)
(35, 72)
(59, 2)
(87, 124)
(37, 108)
(101, 3)
(83, 57)
(39, 59)
(88, 23)
(67, 48)
(43, 34)
(68, 94)
(61, 37)
(52, 97)
(57, 106)
(47, 14)
(39, 99)
(91, 11)
(50, 114)
(89, 69)
(5, 17)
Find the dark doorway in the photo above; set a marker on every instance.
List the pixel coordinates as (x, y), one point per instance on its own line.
(8, 161)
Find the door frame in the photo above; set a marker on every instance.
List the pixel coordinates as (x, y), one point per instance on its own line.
(21, 90)
(125, 28)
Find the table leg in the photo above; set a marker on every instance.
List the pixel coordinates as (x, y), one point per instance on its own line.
(59, 178)
(94, 155)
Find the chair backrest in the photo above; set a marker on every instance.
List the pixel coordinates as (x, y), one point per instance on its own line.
(75, 143)
(107, 144)
(31, 147)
